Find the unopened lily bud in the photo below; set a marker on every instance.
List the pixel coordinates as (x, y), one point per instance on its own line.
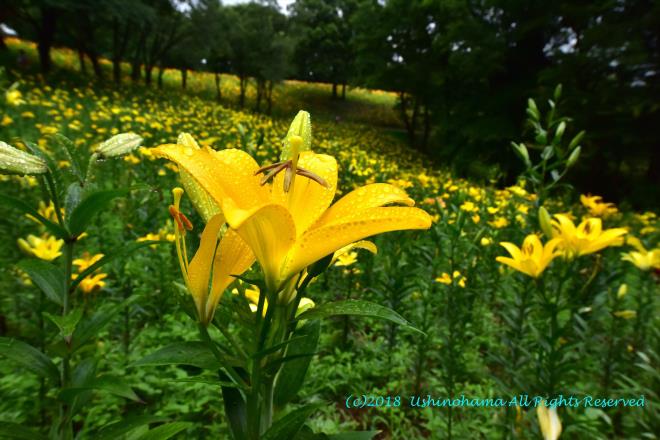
(560, 130)
(623, 290)
(575, 155)
(15, 161)
(576, 140)
(544, 222)
(533, 109)
(301, 127)
(521, 149)
(119, 145)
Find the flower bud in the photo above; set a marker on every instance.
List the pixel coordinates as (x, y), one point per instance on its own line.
(573, 157)
(623, 290)
(544, 222)
(15, 161)
(560, 131)
(119, 145)
(521, 149)
(302, 127)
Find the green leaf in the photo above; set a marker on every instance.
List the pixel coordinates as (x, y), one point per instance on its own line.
(163, 432)
(28, 357)
(195, 353)
(356, 308)
(47, 277)
(234, 409)
(115, 430)
(15, 431)
(108, 383)
(94, 203)
(124, 250)
(89, 327)
(67, 324)
(69, 150)
(292, 375)
(72, 199)
(20, 205)
(288, 426)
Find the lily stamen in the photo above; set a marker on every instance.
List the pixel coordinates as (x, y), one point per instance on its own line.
(276, 168)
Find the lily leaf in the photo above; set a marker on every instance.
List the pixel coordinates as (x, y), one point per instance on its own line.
(15, 431)
(20, 205)
(94, 203)
(195, 353)
(163, 432)
(47, 277)
(354, 307)
(292, 375)
(117, 429)
(29, 358)
(288, 426)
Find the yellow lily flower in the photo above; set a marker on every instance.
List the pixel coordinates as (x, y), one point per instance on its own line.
(642, 258)
(46, 248)
(597, 207)
(587, 238)
(533, 258)
(290, 224)
(213, 262)
(548, 422)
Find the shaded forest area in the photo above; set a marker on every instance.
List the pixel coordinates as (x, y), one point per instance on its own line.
(462, 69)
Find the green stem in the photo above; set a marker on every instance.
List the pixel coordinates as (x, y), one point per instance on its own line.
(65, 416)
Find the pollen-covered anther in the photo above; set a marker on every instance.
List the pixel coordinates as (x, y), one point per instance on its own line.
(181, 220)
(272, 170)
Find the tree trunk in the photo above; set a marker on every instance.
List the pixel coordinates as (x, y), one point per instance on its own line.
(161, 71)
(116, 70)
(260, 91)
(148, 69)
(334, 90)
(427, 128)
(343, 91)
(136, 68)
(270, 97)
(184, 78)
(241, 99)
(96, 65)
(45, 38)
(81, 61)
(407, 121)
(218, 92)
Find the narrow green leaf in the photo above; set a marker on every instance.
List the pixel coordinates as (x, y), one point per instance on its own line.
(108, 383)
(20, 205)
(67, 324)
(292, 375)
(288, 426)
(89, 327)
(69, 150)
(72, 199)
(115, 430)
(356, 308)
(163, 432)
(47, 277)
(235, 409)
(195, 353)
(94, 203)
(11, 430)
(28, 357)
(124, 250)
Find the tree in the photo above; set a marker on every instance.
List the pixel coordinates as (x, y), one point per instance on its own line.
(323, 35)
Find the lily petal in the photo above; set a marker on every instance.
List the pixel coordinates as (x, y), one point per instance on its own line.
(327, 238)
(199, 269)
(365, 197)
(308, 199)
(225, 174)
(201, 199)
(233, 257)
(270, 232)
